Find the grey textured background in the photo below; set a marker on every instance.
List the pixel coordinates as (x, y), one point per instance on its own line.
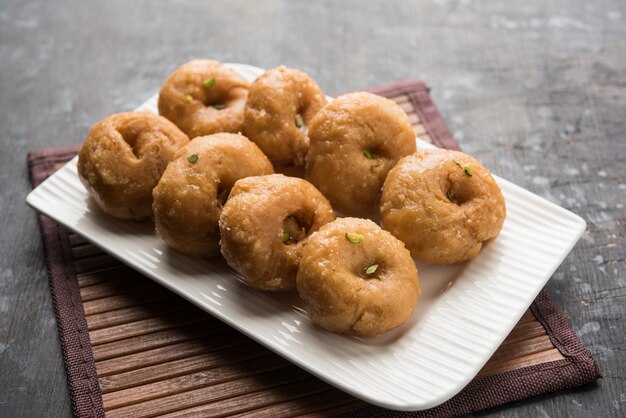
(536, 90)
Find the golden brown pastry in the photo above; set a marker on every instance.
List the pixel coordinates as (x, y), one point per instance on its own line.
(265, 225)
(190, 195)
(355, 277)
(444, 205)
(203, 97)
(122, 159)
(281, 103)
(355, 141)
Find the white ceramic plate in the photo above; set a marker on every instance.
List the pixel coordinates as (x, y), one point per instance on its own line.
(464, 314)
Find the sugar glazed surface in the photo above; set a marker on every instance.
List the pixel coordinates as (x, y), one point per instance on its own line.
(217, 193)
(123, 158)
(189, 197)
(203, 97)
(444, 205)
(355, 140)
(265, 226)
(280, 106)
(356, 277)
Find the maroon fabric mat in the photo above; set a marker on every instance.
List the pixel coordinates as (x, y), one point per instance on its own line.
(68, 307)
(577, 368)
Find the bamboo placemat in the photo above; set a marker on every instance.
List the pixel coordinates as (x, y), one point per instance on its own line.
(132, 348)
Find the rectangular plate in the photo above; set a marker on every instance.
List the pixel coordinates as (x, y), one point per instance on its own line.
(464, 314)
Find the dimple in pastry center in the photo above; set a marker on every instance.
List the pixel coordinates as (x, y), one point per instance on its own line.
(294, 229)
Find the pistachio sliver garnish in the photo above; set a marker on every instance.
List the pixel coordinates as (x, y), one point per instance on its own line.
(193, 158)
(299, 121)
(286, 236)
(369, 270)
(370, 155)
(450, 196)
(468, 170)
(457, 162)
(218, 106)
(355, 238)
(189, 98)
(209, 82)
